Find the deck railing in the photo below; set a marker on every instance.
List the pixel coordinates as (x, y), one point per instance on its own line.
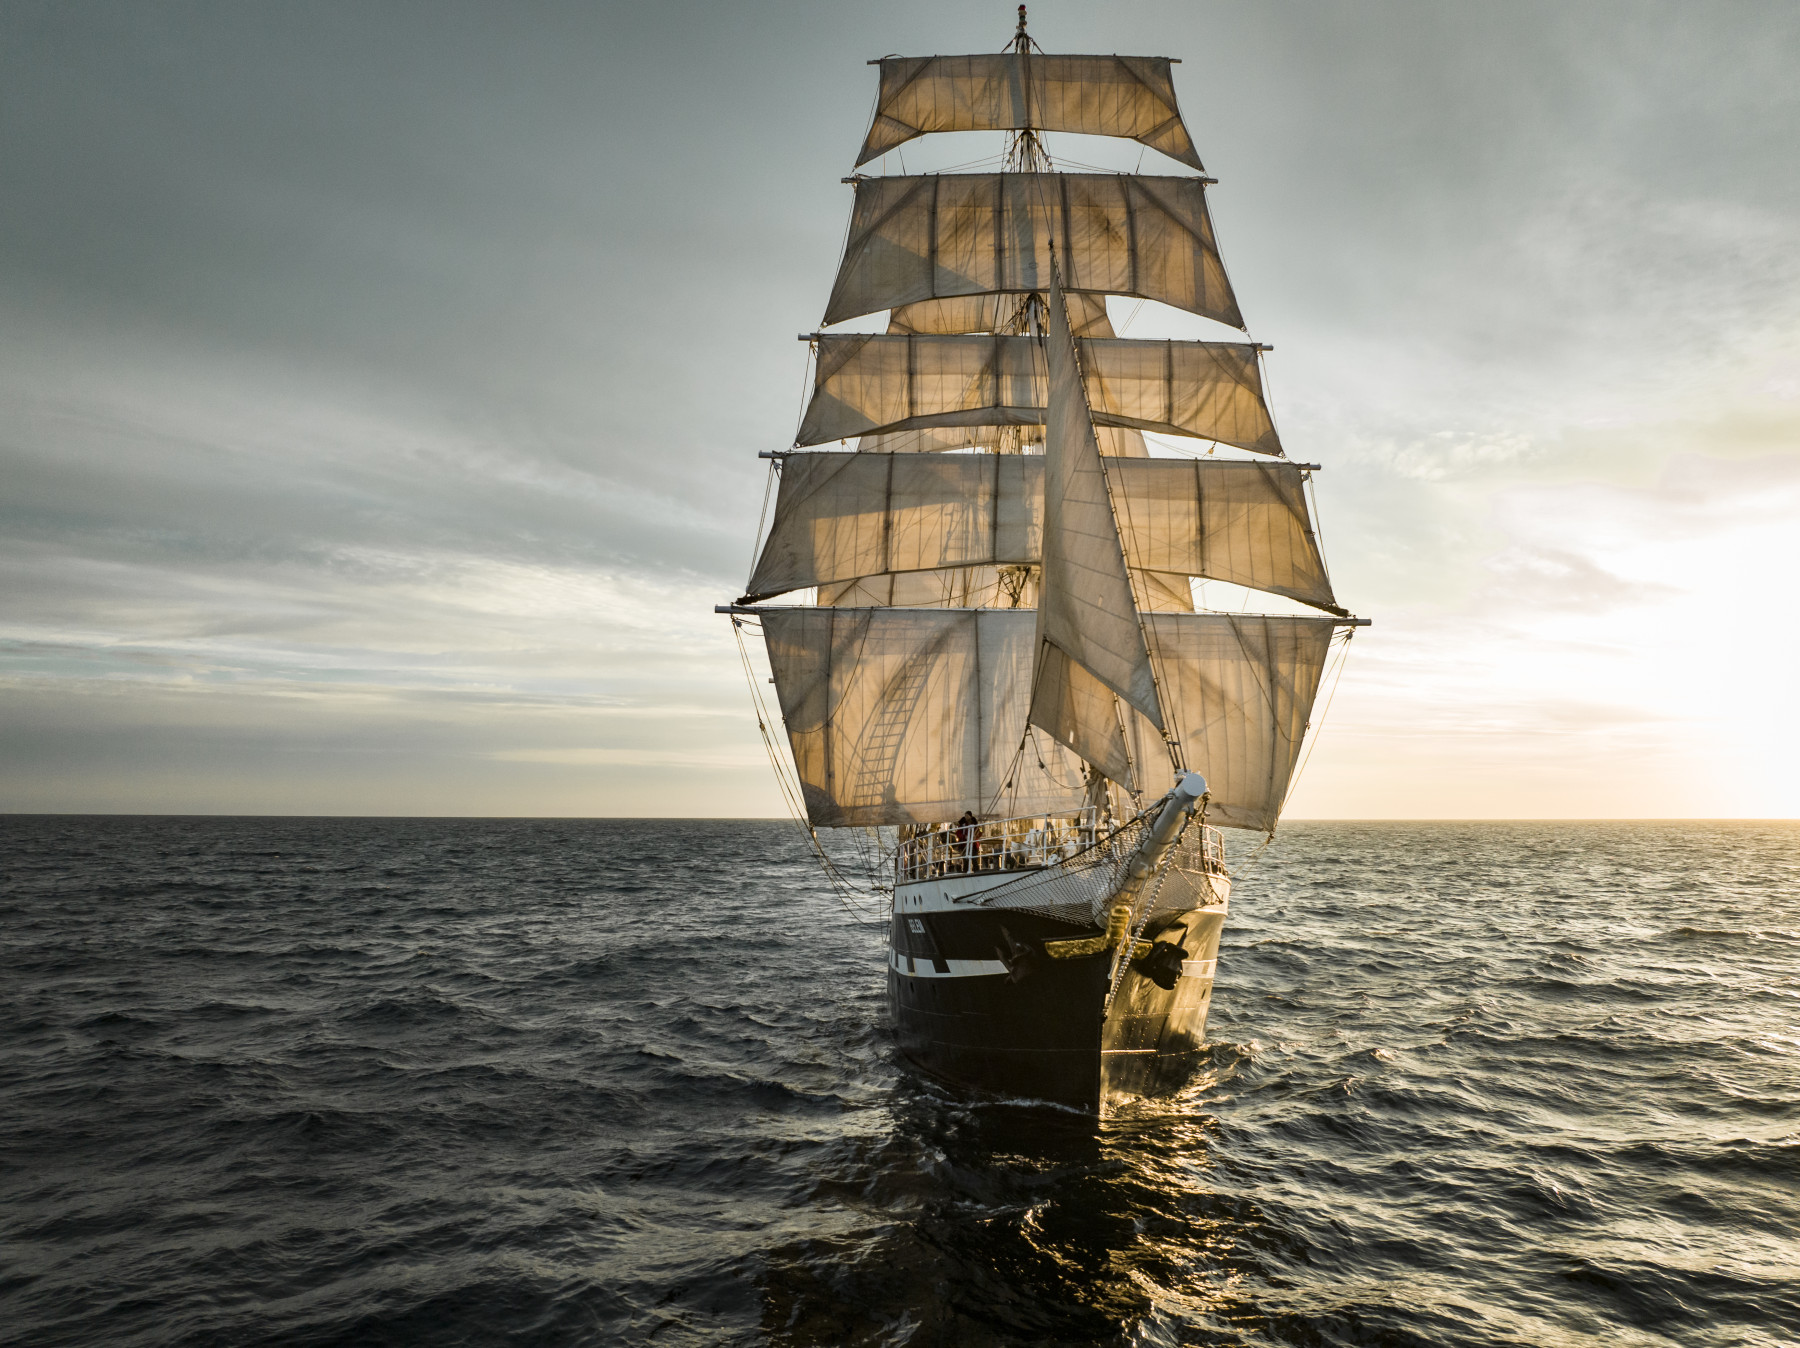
(1210, 846)
(993, 845)
(1022, 843)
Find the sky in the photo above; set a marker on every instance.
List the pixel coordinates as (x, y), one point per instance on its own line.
(381, 386)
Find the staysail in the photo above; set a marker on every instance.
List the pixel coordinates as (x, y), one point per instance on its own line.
(877, 383)
(1089, 639)
(843, 517)
(947, 235)
(1127, 96)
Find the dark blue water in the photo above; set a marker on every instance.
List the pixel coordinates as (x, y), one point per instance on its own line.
(502, 1082)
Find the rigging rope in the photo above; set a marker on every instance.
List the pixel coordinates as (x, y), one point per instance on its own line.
(847, 892)
(1343, 655)
(1133, 934)
(1251, 861)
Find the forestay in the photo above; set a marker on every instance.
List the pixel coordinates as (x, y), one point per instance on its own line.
(940, 236)
(913, 716)
(888, 527)
(878, 383)
(1128, 96)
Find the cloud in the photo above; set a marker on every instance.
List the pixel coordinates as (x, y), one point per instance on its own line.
(380, 388)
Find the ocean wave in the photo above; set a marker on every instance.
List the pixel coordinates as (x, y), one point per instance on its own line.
(312, 1082)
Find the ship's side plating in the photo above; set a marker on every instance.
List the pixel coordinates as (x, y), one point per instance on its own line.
(976, 999)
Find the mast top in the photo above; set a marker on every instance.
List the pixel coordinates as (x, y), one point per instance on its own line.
(1020, 41)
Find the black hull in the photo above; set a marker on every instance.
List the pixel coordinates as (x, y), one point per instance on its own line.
(1041, 1035)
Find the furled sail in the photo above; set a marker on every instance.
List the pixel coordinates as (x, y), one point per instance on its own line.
(941, 236)
(987, 587)
(1237, 690)
(946, 439)
(1116, 441)
(903, 715)
(995, 313)
(877, 383)
(875, 522)
(979, 586)
(1088, 631)
(1127, 96)
(906, 715)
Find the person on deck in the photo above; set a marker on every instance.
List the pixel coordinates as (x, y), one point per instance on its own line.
(965, 838)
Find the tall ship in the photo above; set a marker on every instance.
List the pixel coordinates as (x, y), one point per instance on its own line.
(977, 589)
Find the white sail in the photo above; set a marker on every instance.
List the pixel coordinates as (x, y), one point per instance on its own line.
(1087, 620)
(995, 631)
(907, 715)
(868, 384)
(1241, 522)
(901, 715)
(864, 382)
(994, 313)
(1127, 96)
(1236, 693)
(1075, 709)
(939, 236)
(894, 527)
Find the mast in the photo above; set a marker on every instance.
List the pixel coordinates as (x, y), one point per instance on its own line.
(962, 599)
(1024, 154)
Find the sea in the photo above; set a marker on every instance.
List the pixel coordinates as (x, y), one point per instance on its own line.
(544, 1082)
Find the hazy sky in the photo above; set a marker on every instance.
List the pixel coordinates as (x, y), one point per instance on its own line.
(380, 385)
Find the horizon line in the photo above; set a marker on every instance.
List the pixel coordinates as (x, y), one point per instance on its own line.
(786, 819)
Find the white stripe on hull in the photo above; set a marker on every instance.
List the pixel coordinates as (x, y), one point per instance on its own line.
(920, 966)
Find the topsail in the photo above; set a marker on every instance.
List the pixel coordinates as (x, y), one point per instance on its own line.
(846, 517)
(992, 313)
(947, 235)
(870, 384)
